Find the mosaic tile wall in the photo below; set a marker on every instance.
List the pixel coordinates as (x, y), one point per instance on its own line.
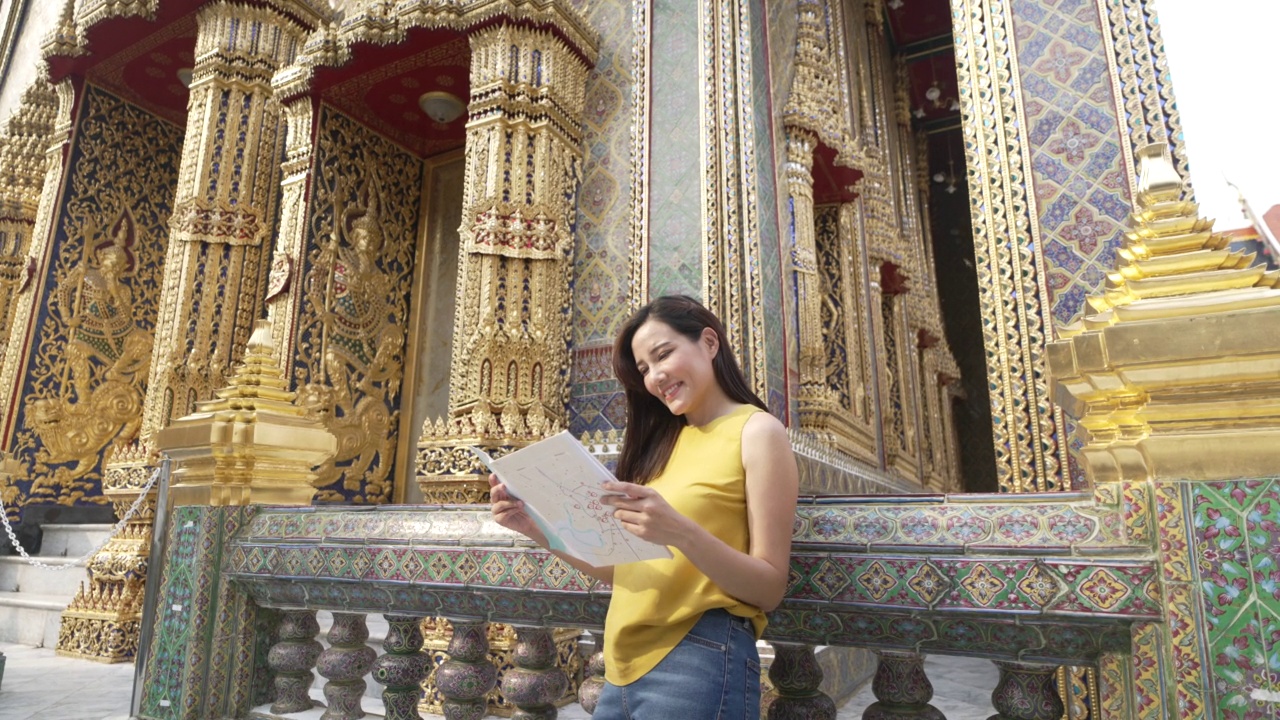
(206, 657)
(1078, 176)
(603, 256)
(91, 344)
(1235, 540)
(769, 188)
(675, 186)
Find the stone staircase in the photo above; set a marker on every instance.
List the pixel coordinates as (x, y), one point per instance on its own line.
(32, 598)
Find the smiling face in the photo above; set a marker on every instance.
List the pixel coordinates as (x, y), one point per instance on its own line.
(677, 369)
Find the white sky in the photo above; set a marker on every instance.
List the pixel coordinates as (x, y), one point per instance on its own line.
(1225, 63)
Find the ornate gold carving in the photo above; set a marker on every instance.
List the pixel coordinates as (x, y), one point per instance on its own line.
(384, 23)
(23, 162)
(641, 79)
(1136, 59)
(94, 346)
(838, 406)
(1029, 451)
(799, 167)
(103, 620)
(353, 303)
(254, 444)
(508, 383)
(818, 103)
(1173, 373)
(362, 355)
(106, 358)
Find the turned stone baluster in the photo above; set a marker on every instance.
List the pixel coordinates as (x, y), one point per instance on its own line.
(403, 668)
(535, 683)
(292, 660)
(1026, 692)
(593, 684)
(901, 688)
(466, 678)
(796, 678)
(344, 664)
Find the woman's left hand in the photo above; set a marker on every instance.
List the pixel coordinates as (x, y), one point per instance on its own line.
(645, 513)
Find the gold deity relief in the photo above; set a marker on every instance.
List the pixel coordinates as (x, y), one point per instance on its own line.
(352, 327)
(85, 369)
(105, 359)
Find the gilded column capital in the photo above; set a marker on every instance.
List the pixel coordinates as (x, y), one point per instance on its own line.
(817, 100)
(1172, 373)
(386, 22)
(225, 187)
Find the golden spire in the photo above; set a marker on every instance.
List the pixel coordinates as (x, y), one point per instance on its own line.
(1172, 263)
(1172, 374)
(252, 444)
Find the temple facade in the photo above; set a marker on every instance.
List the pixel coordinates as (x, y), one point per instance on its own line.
(311, 252)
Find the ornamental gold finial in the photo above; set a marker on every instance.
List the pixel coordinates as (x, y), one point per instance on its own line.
(1172, 263)
(1171, 375)
(253, 444)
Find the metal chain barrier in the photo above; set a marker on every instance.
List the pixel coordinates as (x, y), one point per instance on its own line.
(81, 561)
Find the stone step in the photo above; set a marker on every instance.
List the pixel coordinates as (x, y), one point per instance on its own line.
(72, 541)
(18, 575)
(31, 619)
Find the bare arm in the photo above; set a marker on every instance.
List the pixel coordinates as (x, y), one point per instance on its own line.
(759, 576)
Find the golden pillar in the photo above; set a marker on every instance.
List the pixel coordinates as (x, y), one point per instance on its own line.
(815, 396)
(509, 372)
(22, 170)
(211, 293)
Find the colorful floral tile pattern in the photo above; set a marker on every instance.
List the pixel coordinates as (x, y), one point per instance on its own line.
(1037, 523)
(1235, 536)
(602, 260)
(204, 653)
(1078, 177)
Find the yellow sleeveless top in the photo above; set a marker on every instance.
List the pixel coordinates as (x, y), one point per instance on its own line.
(656, 602)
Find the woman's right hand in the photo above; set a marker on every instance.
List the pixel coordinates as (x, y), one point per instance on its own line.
(510, 513)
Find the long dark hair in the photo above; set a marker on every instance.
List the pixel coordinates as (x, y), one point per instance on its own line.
(652, 429)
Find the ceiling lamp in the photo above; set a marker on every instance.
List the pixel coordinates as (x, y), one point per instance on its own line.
(895, 4)
(443, 107)
(184, 77)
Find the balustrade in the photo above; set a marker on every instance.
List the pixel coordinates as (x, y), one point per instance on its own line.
(901, 577)
(344, 664)
(403, 668)
(293, 658)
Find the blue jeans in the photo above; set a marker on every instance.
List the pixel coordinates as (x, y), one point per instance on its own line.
(713, 674)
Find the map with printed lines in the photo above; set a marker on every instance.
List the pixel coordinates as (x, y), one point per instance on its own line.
(561, 484)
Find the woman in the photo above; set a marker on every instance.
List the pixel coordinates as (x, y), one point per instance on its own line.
(708, 473)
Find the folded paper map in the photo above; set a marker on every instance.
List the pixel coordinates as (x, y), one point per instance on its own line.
(561, 485)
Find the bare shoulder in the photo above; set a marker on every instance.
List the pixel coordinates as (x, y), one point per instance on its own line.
(764, 435)
(763, 427)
